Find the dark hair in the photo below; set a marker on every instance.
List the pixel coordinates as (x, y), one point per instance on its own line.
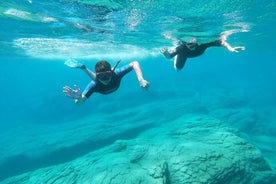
(102, 66)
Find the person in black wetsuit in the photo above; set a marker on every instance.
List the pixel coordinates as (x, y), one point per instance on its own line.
(105, 81)
(192, 49)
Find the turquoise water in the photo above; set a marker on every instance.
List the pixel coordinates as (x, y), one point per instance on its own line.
(41, 127)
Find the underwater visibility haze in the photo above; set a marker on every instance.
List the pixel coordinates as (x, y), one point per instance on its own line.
(41, 128)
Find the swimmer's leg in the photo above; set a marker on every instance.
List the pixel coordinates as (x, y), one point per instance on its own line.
(179, 61)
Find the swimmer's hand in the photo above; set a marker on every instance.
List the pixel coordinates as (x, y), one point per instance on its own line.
(144, 84)
(165, 52)
(72, 93)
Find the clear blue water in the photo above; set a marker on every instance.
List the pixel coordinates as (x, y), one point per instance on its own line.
(37, 36)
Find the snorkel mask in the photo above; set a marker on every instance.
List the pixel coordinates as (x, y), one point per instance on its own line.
(105, 76)
(192, 44)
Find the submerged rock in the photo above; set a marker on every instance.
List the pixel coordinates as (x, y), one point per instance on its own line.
(193, 149)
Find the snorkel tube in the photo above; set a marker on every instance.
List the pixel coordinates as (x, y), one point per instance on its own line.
(116, 64)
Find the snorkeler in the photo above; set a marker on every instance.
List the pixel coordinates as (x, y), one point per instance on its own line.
(106, 80)
(192, 49)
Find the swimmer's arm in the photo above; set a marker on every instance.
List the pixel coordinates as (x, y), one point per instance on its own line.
(91, 74)
(169, 54)
(230, 48)
(136, 67)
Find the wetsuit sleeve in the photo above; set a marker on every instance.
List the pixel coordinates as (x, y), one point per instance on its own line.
(89, 89)
(122, 71)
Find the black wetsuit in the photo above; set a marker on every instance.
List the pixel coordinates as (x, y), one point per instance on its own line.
(113, 85)
(190, 50)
